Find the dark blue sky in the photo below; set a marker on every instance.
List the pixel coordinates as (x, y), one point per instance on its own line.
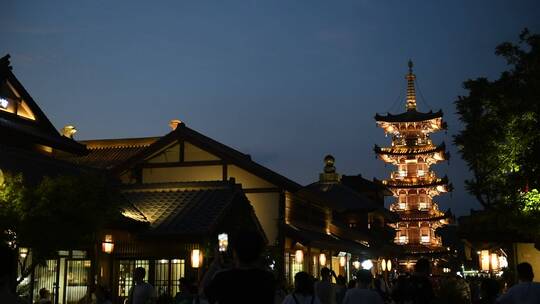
(286, 81)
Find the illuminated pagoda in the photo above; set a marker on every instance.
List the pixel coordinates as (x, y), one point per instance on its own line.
(413, 183)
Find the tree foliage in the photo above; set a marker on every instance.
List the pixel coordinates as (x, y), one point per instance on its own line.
(500, 141)
(59, 213)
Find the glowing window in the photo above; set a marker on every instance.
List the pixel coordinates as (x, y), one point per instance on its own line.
(403, 239)
(424, 239)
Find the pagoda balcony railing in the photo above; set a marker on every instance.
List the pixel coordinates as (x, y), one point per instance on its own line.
(411, 142)
(404, 150)
(402, 175)
(427, 182)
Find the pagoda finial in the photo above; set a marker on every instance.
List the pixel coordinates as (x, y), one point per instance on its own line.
(411, 92)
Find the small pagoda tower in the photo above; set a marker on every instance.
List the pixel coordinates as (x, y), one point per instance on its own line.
(414, 184)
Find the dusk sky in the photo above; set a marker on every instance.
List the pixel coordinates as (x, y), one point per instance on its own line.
(285, 81)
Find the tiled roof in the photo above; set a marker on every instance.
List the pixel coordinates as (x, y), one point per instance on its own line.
(181, 211)
(108, 153)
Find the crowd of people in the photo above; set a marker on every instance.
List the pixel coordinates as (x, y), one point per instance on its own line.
(242, 280)
(246, 282)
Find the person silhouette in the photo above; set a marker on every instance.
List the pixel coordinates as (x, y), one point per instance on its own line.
(526, 291)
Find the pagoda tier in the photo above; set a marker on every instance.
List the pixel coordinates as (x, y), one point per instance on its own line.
(414, 184)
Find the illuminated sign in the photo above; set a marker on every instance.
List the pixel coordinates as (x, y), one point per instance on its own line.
(4, 103)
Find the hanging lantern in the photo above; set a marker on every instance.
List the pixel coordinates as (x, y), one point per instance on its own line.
(196, 258)
(299, 256)
(23, 252)
(342, 261)
(389, 265)
(383, 265)
(322, 259)
(107, 246)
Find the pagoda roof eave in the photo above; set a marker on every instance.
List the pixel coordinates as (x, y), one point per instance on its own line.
(409, 116)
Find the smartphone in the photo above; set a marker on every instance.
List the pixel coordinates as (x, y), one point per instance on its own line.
(223, 242)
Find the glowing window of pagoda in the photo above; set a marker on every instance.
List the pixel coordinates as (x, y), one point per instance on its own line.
(403, 239)
(422, 202)
(424, 235)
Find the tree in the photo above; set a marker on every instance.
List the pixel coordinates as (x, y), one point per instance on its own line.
(500, 141)
(62, 212)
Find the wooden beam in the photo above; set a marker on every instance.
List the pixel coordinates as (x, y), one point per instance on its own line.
(262, 190)
(184, 164)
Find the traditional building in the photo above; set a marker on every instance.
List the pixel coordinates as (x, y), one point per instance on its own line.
(414, 184)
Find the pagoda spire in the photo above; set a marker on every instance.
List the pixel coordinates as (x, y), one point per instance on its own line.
(411, 92)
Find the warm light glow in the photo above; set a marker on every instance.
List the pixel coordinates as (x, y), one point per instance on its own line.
(342, 261)
(367, 264)
(383, 265)
(420, 172)
(402, 206)
(422, 206)
(494, 261)
(403, 239)
(322, 259)
(107, 246)
(503, 262)
(402, 173)
(196, 258)
(23, 252)
(356, 264)
(4, 103)
(163, 261)
(484, 260)
(424, 239)
(299, 256)
(223, 242)
(389, 265)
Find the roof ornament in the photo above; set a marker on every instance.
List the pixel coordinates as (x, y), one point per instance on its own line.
(329, 175)
(411, 92)
(173, 123)
(69, 131)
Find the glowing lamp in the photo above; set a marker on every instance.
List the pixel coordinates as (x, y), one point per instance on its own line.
(299, 256)
(494, 261)
(389, 265)
(356, 264)
(322, 259)
(4, 103)
(484, 260)
(383, 265)
(107, 246)
(342, 261)
(23, 252)
(503, 262)
(424, 239)
(367, 264)
(196, 258)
